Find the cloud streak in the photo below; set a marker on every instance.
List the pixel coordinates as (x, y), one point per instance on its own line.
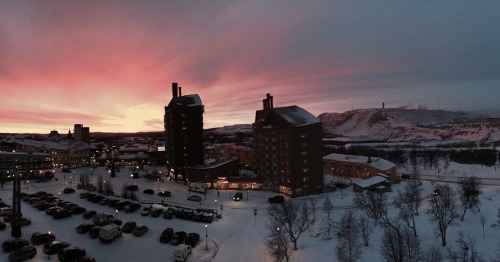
(109, 65)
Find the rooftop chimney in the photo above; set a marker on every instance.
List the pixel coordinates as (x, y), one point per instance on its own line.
(264, 103)
(271, 102)
(174, 90)
(180, 92)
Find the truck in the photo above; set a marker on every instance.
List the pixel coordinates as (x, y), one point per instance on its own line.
(198, 187)
(181, 252)
(109, 232)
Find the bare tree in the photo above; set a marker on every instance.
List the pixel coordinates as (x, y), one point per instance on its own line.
(482, 220)
(84, 181)
(125, 190)
(349, 246)
(327, 205)
(293, 216)
(466, 250)
(366, 228)
(470, 189)
(108, 188)
(277, 243)
(373, 203)
(312, 201)
(434, 254)
(399, 244)
(100, 183)
(443, 211)
(409, 202)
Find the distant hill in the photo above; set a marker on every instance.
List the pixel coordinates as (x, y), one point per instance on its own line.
(397, 124)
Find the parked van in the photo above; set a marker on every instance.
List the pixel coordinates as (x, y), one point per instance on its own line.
(181, 252)
(109, 233)
(198, 187)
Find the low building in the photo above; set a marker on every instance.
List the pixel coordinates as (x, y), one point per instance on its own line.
(212, 173)
(30, 165)
(359, 166)
(378, 183)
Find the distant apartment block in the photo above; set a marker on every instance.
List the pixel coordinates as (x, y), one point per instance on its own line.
(81, 133)
(183, 122)
(29, 165)
(359, 166)
(288, 149)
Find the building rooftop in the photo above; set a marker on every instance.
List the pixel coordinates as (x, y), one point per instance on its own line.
(296, 116)
(186, 100)
(376, 162)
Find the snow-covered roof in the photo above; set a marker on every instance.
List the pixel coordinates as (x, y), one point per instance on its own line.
(370, 181)
(376, 162)
(296, 116)
(186, 100)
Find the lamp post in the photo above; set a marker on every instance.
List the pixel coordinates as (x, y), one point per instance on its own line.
(158, 181)
(132, 179)
(206, 237)
(116, 211)
(216, 207)
(27, 185)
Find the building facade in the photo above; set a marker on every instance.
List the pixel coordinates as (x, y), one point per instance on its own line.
(359, 166)
(288, 149)
(29, 165)
(81, 133)
(183, 122)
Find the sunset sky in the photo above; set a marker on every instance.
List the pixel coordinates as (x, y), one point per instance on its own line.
(109, 65)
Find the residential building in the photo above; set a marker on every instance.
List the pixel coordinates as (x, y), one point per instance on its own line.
(30, 165)
(348, 166)
(288, 149)
(81, 133)
(183, 122)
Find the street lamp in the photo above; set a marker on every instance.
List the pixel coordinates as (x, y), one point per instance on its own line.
(158, 181)
(132, 179)
(216, 206)
(206, 237)
(116, 211)
(27, 185)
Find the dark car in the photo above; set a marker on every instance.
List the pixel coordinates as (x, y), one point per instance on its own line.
(84, 228)
(14, 243)
(23, 253)
(131, 207)
(238, 196)
(192, 239)
(156, 212)
(276, 199)
(54, 247)
(89, 214)
(178, 238)
(164, 193)
(71, 253)
(148, 191)
(194, 198)
(166, 235)
(76, 210)
(94, 232)
(61, 213)
(39, 238)
(127, 227)
(139, 230)
(85, 259)
(68, 190)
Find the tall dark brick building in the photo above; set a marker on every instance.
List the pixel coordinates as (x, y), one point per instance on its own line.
(288, 149)
(183, 132)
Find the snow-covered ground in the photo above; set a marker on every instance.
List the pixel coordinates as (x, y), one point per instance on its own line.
(239, 235)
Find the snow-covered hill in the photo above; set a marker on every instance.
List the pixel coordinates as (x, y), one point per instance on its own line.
(410, 125)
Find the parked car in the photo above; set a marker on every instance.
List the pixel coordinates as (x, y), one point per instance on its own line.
(146, 211)
(89, 214)
(238, 196)
(84, 228)
(23, 253)
(148, 191)
(131, 207)
(181, 252)
(60, 213)
(94, 231)
(178, 238)
(276, 199)
(71, 253)
(127, 227)
(194, 198)
(38, 238)
(192, 239)
(68, 190)
(14, 243)
(166, 235)
(168, 214)
(156, 212)
(139, 230)
(52, 248)
(164, 193)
